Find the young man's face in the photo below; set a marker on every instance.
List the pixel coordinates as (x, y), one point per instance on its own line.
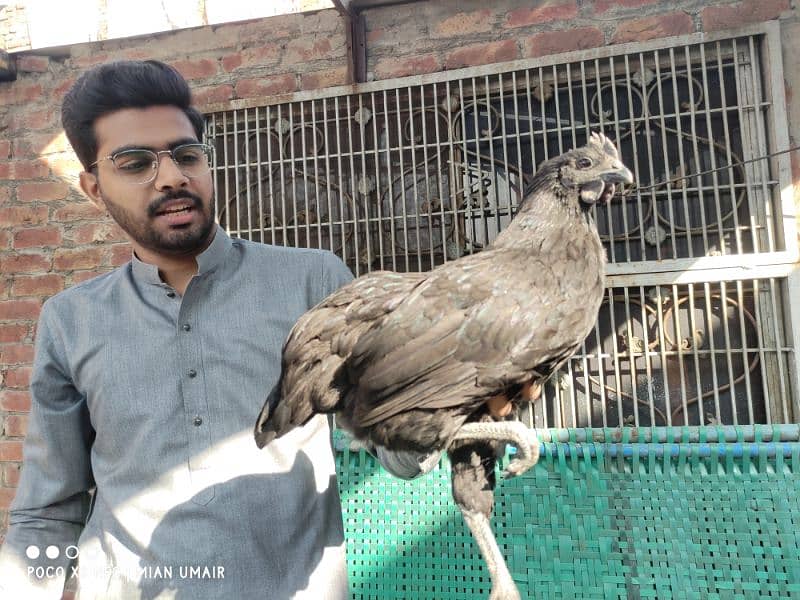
(172, 215)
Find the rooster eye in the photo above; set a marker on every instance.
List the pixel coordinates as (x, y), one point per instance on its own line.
(583, 163)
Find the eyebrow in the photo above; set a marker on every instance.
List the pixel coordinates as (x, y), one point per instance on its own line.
(171, 146)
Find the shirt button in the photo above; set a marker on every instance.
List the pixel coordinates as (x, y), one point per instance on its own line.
(170, 294)
(186, 327)
(197, 421)
(191, 373)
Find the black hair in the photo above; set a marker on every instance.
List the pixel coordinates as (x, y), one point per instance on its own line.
(118, 85)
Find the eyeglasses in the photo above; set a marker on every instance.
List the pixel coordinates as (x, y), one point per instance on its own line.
(140, 166)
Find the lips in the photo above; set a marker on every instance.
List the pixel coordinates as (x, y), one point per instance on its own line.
(176, 213)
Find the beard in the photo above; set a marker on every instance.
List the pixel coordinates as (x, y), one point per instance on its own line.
(185, 240)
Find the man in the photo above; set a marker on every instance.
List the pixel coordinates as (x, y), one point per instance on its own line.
(139, 459)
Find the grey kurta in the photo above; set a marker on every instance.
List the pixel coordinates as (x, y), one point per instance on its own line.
(152, 397)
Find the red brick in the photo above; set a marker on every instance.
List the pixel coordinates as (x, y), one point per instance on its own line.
(14, 401)
(77, 258)
(15, 354)
(120, 254)
(13, 332)
(96, 233)
(749, 11)
(5, 193)
(305, 49)
(40, 144)
(15, 425)
(263, 55)
(5, 239)
(196, 69)
(547, 12)
(649, 28)
(555, 42)
(36, 237)
(20, 93)
(40, 286)
(323, 79)
(18, 377)
(266, 86)
(465, 24)
(5, 149)
(204, 96)
(15, 216)
(77, 211)
(33, 120)
(389, 68)
(482, 54)
(32, 64)
(24, 263)
(10, 450)
(81, 276)
(62, 88)
(601, 6)
(6, 497)
(44, 192)
(24, 169)
(11, 473)
(19, 309)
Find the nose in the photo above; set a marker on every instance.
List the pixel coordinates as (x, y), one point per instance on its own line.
(169, 176)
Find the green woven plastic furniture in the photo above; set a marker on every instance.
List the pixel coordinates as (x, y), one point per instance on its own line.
(592, 520)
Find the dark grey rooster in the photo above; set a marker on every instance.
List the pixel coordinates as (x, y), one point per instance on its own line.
(411, 361)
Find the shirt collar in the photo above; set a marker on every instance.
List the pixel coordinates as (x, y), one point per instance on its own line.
(207, 261)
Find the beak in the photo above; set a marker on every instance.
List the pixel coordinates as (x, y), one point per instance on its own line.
(618, 173)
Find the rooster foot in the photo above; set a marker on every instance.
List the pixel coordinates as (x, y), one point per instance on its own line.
(514, 432)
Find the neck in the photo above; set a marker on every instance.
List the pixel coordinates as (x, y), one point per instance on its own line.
(541, 215)
(175, 270)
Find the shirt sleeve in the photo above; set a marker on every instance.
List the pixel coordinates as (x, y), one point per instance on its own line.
(335, 274)
(53, 497)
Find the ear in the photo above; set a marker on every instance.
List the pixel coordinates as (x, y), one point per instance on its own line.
(591, 191)
(91, 187)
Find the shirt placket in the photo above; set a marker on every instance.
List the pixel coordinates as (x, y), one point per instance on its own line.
(193, 390)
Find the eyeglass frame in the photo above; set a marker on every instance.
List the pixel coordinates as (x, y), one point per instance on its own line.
(207, 150)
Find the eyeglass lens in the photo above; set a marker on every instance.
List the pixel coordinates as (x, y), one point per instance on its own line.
(141, 166)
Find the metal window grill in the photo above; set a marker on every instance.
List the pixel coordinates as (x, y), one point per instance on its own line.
(405, 175)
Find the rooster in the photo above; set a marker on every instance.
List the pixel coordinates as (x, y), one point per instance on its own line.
(419, 361)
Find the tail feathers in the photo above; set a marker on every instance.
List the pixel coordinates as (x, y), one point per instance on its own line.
(278, 417)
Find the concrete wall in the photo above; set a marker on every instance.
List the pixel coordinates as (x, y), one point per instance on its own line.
(51, 238)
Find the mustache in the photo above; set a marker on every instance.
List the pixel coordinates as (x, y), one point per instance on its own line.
(159, 202)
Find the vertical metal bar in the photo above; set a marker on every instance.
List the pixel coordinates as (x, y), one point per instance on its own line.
(342, 189)
(667, 193)
(634, 144)
(361, 188)
(615, 357)
(681, 360)
(684, 183)
(723, 292)
(259, 176)
(270, 171)
(402, 180)
(390, 180)
(710, 330)
(354, 212)
(745, 352)
(737, 230)
(328, 177)
(701, 200)
(778, 365)
(416, 206)
(379, 217)
(712, 151)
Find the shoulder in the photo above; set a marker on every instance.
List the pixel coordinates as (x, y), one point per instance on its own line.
(87, 292)
(289, 260)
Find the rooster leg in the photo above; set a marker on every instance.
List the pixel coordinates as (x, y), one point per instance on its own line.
(473, 466)
(503, 586)
(505, 431)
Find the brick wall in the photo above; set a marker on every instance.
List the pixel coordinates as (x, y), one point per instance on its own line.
(51, 238)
